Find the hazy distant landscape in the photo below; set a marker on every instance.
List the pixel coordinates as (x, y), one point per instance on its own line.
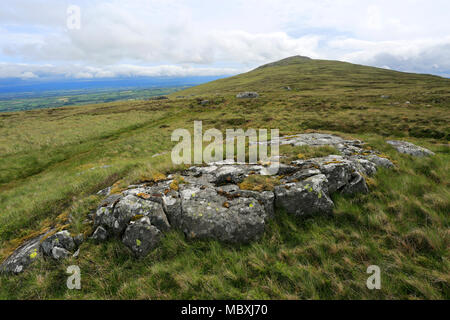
(21, 95)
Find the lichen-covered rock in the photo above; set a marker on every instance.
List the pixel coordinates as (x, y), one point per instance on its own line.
(265, 198)
(357, 184)
(229, 174)
(337, 169)
(131, 207)
(380, 161)
(23, 256)
(411, 149)
(206, 202)
(302, 174)
(365, 166)
(209, 215)
(116, 219)
(305, 198)
(141, 237)
(104, 215)
(61, 240)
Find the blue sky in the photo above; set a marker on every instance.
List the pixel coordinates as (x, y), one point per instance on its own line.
(188, 38)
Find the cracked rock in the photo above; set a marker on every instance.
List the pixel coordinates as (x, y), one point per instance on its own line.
(141, 237)
(306, 198)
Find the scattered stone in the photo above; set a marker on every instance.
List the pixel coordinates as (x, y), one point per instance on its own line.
(104, 192)
(78, 239)
(141, 237)
(60, 253)
(100, 234)
(61, 240)
(242, 95)
(411, 149)
(77, 253)
(204, 102)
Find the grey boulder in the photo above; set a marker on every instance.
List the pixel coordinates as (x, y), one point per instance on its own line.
(141, 237)
(116, 219)
(210, 215)
(411, 149)
(62, 240)
(23, 256)
(306, 198)
(356, 185)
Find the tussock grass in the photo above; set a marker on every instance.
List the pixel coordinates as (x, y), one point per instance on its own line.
(259, 183)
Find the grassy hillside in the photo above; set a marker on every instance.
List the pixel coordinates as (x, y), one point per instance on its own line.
(53, 161)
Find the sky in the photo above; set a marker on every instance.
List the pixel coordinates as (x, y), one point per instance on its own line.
(115, 38)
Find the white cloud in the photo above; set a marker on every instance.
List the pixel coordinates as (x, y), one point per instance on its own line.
(29, 71)
(28, 75)
(153, 37)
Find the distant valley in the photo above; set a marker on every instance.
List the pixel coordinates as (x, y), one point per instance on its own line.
(22, 95)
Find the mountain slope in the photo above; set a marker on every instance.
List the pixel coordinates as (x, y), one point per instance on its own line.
(310, 76)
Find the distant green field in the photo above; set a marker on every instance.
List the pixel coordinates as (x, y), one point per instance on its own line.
(52, 164)
(78, 97)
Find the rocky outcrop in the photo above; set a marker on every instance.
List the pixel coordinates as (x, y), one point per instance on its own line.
(23, 256)
(207, 202)
(411, 149)
(242, 95)
(52, 245)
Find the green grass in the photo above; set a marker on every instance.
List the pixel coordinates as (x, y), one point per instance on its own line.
(51, 164)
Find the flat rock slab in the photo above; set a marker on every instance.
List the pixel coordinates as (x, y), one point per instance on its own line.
(210, 214)
(411, 149)
(305, 198)
(23, 256)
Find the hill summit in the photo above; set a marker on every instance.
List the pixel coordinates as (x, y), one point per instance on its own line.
(287, 61)
(311, 77)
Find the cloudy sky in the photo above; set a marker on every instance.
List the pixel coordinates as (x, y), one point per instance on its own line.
(209, 37)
